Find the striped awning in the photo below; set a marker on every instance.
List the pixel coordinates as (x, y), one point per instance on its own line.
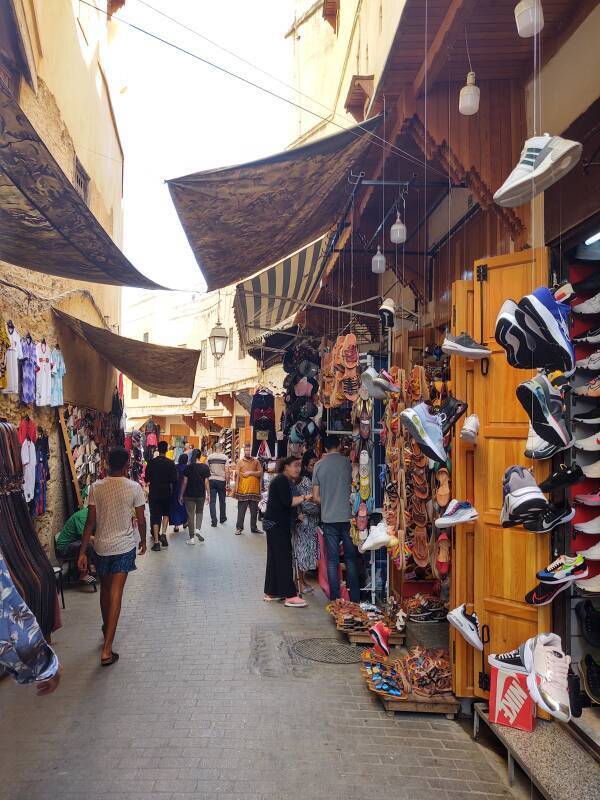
(269, 301)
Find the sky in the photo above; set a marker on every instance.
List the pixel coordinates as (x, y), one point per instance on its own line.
(177, 115)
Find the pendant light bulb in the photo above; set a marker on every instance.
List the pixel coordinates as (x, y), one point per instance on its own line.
(398, 231)
(378, 262)
(529, 16)
(468, 103)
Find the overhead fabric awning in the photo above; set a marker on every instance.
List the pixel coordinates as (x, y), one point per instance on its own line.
(44, 224)
(239, 219)
(166, 371)
(271, 299)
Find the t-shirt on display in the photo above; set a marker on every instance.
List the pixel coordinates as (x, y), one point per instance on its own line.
(115, 500)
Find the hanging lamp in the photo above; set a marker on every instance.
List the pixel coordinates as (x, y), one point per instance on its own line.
(217, 340)
(378, 262)
(398, 231)
(468, 103)
(529, 16)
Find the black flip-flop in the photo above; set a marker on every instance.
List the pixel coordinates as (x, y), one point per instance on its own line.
(107, 662)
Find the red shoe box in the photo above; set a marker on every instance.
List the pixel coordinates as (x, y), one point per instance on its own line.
(510, 703)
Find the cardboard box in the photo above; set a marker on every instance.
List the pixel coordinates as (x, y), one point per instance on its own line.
(510, 703)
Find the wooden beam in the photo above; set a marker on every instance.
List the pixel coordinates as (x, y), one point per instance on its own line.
(437, 55)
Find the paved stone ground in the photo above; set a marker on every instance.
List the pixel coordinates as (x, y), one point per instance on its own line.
(206, 702)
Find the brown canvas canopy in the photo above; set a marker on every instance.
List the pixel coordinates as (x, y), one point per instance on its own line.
(239, 220)
(166, 371)
(44, 224)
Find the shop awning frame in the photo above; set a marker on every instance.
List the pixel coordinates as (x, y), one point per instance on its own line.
(46, 226)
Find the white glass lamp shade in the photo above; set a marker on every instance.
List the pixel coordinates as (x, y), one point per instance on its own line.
(398, 231)
(378, 262)
(468, 103)
(529, 16)
(218, 339)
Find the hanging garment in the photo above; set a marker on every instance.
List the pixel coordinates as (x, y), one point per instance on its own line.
(42, 474)
(28, 353)
(4, 348)
(13, 354)
(28, 459)
(58, 372)
(43, 376)
(27, 428)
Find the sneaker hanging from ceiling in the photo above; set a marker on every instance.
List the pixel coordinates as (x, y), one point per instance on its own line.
(544, 405)
(464, 345)
(547, 322)
(564, 569)
(544, 160)
(426, 430)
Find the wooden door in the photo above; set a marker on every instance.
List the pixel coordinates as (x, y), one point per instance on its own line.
(505, 559)
(464, 671)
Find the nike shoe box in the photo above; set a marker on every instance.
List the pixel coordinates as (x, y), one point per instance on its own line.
(510, 703)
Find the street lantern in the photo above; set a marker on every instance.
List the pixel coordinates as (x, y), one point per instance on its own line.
(218, 339)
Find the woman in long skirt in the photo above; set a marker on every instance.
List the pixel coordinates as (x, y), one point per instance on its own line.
(305, 541)
(279, 517)
(177, 512)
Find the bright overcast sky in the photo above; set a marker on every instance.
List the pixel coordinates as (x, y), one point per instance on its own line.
(177, 115)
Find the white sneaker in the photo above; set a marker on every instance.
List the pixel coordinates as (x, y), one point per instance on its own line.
(591, 306)
(456, 513)
(378, 537)
(591, 470)
(539, 449)
(590, 443)
(544, 160)
(592, 553)
(592, 362)
(548, 669)
(467, 625)
(590, 585)
(191, 541)
(592, 526)
(470, 429)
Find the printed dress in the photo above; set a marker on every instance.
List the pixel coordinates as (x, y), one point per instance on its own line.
(4, 348)
(305, 541)
(28, 370)
(43, 378)
(58, 373)
(12, 363)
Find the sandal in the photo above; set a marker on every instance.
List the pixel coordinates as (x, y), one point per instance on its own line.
(442, 494)
(420, 546)
(107, 662)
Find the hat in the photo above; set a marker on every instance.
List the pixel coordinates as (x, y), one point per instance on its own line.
(387, 313)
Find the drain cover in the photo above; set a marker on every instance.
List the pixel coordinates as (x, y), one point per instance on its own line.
(327, 651)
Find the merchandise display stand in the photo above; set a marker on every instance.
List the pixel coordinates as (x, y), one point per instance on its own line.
(363, 637)
(437, 704)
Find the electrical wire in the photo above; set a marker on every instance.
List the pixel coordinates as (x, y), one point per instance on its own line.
(405, 154)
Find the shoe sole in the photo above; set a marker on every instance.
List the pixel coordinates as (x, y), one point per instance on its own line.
(450, 522)
(587, 420)
(548, 173)
(534, 400)
(563, 580)
(595, 339)
(586, 368)
(514, 340)
(505, 667)
(453, 349)
(530, 305)
(592, 504)
(412, 422)
(579, 526)
(464, 628)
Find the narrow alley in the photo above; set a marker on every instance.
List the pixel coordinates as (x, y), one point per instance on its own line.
(206, 701)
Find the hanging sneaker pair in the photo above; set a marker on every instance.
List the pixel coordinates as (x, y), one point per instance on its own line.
(542, 659)
(534, 332)
(543, 404)
(538, 449)
(456, 513)
(426, 430)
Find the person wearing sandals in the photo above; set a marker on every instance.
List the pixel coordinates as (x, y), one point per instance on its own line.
(112, 503)
(305, 540)
(247, 489)
(280, 514)
(193, 492)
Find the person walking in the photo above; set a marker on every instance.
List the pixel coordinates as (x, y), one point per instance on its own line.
(332, 485)
(193, 492)
(177, 510)
(188, 449)
(280, 514)
(162, 477)
(218, 464)
(112, 503)
(305, 541)
(247, 489)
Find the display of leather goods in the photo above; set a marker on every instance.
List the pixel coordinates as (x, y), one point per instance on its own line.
(27, 562)
(90, 436)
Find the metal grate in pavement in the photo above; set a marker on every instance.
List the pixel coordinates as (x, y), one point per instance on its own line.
(326, 651)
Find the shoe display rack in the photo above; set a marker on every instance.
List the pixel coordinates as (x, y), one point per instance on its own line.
(355, 621)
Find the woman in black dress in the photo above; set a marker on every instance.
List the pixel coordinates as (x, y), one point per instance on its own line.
(278, 519)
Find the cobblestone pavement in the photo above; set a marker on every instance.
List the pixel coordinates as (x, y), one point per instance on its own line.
(206, 702)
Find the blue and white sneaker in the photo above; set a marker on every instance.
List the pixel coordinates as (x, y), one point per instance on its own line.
(547, 322)
(456, 513)
(426, 430)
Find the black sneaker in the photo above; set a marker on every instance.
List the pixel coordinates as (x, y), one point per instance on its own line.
(564, 476)
(589, 670)
(544, 593)
(574, 687)
(589, 337)
(550, 519)
(213, 524)
(511, 661)
(588, 417)
(199, 537)
(450, 412)
(589, 619)
(163, 540)
(155, 547)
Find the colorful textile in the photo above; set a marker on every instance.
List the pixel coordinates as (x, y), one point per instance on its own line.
(13, 355)
(24, 653)
(28, 369)
(4, 348)
(43, 375)
(305, 540)
(58, 372)
(27, 428)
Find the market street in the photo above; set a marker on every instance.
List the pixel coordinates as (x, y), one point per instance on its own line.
(206, 702)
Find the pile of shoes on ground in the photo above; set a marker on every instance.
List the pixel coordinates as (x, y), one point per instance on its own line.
(360, 617)
(421, 673)
(424, 608)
